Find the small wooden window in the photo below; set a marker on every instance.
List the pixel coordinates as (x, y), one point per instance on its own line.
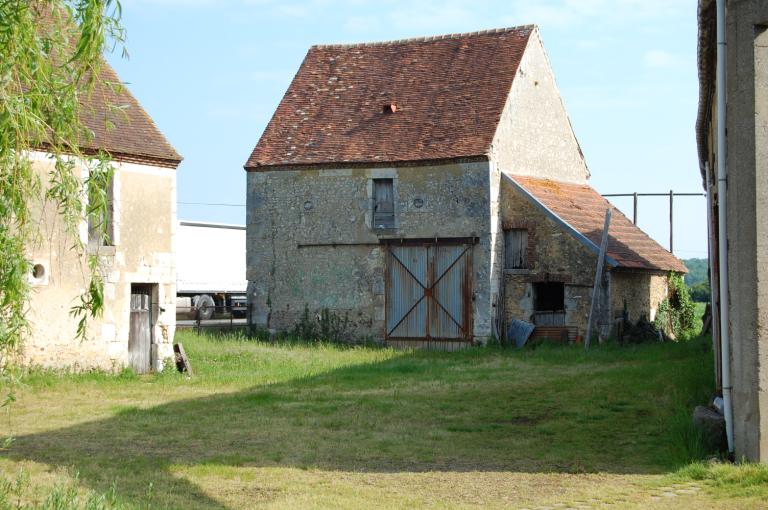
(383, 204)
(516, 248)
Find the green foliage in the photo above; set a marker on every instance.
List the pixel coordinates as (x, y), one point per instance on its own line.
(14, 495)
(698, 270)
(729, 480)
(701, 293)
(323, 326)
(50, 56)
(677, 313)
(697, 279)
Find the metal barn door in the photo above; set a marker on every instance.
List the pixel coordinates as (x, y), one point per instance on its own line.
(140, 333)
(429, 292)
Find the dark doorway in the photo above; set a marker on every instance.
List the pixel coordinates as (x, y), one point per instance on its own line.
(549, 303)
(140, 333)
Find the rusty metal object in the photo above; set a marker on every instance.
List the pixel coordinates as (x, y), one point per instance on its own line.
(429, 290)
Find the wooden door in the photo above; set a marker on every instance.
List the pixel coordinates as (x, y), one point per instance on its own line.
(140, 333)
(429, 292)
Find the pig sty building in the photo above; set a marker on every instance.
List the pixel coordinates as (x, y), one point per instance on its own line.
(427, 188)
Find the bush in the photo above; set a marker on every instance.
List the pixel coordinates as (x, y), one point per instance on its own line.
(677, 313)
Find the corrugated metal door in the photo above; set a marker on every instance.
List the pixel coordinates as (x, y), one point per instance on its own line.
(140, 332)
(429, 292)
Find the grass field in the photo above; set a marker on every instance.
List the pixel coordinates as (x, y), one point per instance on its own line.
(297, 426)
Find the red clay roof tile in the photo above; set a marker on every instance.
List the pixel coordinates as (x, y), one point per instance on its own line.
(584, 209)
(118, 123)
(132, 133)
(449, 93)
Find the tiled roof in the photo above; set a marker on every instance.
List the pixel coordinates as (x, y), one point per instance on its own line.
(133, 134)
(448, 92)
(584, 209)
(119, 124)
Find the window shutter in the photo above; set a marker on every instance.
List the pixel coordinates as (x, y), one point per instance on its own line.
(516, 249)
(383, 204)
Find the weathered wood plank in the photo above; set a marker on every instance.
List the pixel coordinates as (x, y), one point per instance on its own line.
(182, 361)
(598, 276)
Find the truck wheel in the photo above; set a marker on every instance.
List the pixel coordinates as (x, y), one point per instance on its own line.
(205, 307)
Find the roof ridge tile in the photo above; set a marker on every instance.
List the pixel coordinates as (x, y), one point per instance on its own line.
(428, 38)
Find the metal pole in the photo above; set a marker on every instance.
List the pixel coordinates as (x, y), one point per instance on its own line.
(722, 235)
(671, 220)
(598, 276)
(634, 210)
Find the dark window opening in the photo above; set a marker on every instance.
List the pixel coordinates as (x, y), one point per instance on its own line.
(383, 203)
(38, 271)
(516, 248)
(549, 297)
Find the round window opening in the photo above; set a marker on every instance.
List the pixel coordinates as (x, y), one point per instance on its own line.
(418, 203)
(38, 271)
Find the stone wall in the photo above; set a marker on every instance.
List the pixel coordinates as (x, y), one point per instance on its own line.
(553, 255)
(142, 252)
(659, 291)
(642, 291)
(747, 222)
(310, 242)
(534, 136)
(747, 217)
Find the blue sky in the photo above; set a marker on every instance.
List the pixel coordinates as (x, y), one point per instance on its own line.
(211, 72)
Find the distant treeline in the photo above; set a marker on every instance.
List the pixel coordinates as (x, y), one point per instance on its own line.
(697, 279)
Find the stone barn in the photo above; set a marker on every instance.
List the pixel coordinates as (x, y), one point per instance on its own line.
(426, 189)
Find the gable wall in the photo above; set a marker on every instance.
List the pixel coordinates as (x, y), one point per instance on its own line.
(143, 252)
(534, 136)
(288, 208)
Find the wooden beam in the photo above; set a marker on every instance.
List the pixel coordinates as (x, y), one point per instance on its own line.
(598, 277)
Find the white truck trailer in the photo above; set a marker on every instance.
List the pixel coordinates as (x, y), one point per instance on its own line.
(210, 270)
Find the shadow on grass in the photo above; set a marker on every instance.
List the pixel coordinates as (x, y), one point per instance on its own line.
(483, 410)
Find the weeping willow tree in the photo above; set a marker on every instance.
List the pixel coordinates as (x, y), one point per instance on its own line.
(50, 57)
